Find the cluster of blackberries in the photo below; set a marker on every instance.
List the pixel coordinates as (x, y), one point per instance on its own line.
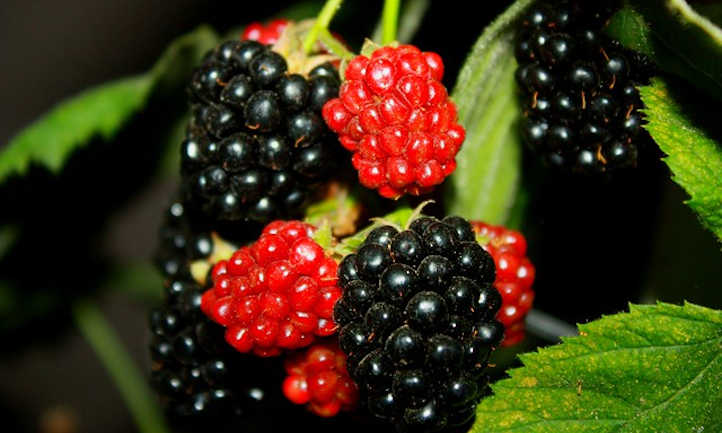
(194, 371)
(581, 105)
(418, 322)
(257, 144)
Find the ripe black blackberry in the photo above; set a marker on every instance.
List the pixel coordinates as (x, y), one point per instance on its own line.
(417, 317)
(580, 103)
(196, 374)
(257, 146)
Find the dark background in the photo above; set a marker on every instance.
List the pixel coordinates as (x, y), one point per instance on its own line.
(597, 243)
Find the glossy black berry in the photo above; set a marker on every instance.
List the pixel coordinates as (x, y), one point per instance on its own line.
(262, 126)
(274, 152)
(464, 231)
(381, 236)
(267, 67)
(418, 321)
(398, 283)
(348, 269)
(322, 90)
(578, 88)
(407, 248)
(237, 91)
(324, 70)
(262, 111)
(440, 238)
(372, 260)
(293, 92)
(304, 128)
(237, 152)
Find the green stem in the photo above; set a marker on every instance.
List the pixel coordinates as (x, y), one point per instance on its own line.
(335, 46)
(322, 21)
(130, 382)
(390, 21)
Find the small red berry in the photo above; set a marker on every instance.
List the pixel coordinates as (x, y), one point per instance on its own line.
(394, 114)
(318, 377)
(514, 277)
(268, 34)
(277, 293)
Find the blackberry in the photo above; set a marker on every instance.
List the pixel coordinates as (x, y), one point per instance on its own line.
(194, 371)
(196, 374)
(256, 147)
(580, 104)
(417, 322)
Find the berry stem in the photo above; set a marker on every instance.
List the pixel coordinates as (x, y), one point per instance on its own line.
(335, 46)
(390, 20)
(322, 21)
(130, 382)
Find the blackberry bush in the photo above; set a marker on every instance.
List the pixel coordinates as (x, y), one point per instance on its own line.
(417, 316)
(257, 147)
(580, 102)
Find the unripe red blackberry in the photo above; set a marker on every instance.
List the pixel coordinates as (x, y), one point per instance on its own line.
(581, 112)
(275, 294)
(317, 377)
(257, 147)
(418, 322)
(394, 114)
(514, 277)
(266, 34)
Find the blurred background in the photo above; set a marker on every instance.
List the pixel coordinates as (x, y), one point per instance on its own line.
(91, 230)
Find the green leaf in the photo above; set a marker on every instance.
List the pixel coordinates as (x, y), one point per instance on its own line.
(681, 40)
(654, 369)
(486, 180)
(690, 136)
(629, 27)
(101, 111)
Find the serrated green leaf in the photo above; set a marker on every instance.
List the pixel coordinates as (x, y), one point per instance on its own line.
(683, 41)
(629, 27)
(690, 137)
(655, 369)
(101, 111)
(486, 179)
